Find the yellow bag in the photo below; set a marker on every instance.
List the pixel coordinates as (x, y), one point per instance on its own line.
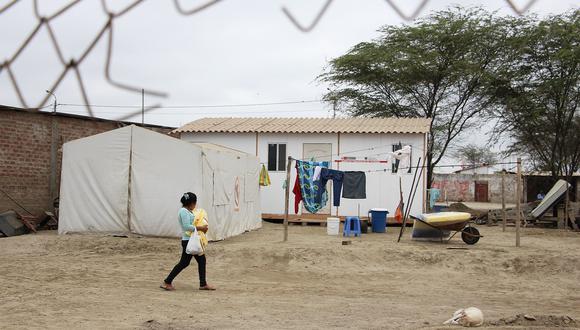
(200, 219)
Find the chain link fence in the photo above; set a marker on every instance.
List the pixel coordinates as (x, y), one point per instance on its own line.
(106, 32)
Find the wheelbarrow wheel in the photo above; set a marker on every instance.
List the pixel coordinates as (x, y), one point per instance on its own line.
(470, 235)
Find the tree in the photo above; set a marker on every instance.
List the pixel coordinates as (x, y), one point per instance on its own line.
(538, 92)
(436, 68)
(474, 155)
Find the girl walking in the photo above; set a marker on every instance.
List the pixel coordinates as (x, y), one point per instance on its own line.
(186, 221)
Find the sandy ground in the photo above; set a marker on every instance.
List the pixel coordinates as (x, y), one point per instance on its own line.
(313, 281)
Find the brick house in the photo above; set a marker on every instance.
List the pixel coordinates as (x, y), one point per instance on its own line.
(29, 167)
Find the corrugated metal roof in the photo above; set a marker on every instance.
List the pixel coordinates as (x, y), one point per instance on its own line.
(307, 125)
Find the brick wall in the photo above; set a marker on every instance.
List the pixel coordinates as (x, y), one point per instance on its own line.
(461, 187)
(25, 146)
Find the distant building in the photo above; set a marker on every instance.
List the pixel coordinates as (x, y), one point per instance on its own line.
(483, 187)
(27, 171)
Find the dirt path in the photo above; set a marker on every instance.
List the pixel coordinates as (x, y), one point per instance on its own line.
(101, 282)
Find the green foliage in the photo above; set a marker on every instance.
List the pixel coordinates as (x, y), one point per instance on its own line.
(537, 92)
(458, 65)
(436, 68)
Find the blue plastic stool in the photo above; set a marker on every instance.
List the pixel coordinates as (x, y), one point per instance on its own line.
(346, 231)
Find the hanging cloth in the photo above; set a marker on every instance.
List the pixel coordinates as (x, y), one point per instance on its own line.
(336, 177)
(399, 211)
(297, 191)
(264, 177)
(354, 185)
(399, 155)
(308, 187)
(434, 194)
(316, 175)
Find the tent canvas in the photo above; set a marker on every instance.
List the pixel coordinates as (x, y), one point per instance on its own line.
(130, 180)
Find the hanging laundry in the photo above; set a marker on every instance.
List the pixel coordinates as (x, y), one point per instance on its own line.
(316, 175)
(399, 212)
(309, 188)
(297, 191)
(354, 185)
(264, 177)
(397, 156)
(336, 177)
(401, 206)
(402, 153)
(434, 194)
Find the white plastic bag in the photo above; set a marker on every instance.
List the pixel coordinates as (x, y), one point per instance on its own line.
(194, 245)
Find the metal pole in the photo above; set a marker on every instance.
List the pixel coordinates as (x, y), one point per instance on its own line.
(407, 208)
(287, 199)
(518, 204)
(503, 216)
(142, 106)
(53, 153)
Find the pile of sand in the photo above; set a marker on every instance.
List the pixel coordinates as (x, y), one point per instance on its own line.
(311, 281)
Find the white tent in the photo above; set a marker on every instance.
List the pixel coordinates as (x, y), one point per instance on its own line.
(131, 179)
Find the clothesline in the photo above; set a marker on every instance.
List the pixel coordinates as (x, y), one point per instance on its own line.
(439, 166)
(424, 166)
(358, 150)
(360, 161)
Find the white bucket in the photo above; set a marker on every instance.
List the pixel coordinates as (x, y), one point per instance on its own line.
(332, 226)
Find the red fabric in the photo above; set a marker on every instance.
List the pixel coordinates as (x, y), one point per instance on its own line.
(297, 193)
(399, 212)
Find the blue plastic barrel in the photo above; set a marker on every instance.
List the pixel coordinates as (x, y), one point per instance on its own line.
(378, 220)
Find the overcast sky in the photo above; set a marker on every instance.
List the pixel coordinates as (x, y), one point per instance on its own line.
(234, 52)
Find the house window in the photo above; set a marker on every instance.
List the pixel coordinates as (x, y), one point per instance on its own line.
(397, 163)
(277, 157)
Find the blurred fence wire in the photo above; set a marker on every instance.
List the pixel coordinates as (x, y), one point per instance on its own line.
(71, 66)
(408, 17)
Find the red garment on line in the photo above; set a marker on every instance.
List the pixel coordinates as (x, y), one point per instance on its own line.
(297, 192)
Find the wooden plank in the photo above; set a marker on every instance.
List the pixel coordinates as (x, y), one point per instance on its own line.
(518, 200)
(287, 197)
(503, 209)
(572, 219)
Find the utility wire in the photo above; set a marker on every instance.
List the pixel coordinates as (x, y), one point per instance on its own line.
(200, 113)
(238, 105)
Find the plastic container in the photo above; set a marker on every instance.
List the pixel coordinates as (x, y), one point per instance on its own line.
(332, 226)
(364, 226)
(378, 220)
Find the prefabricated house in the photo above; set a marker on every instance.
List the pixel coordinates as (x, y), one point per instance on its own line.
(130, 180)
(350, 144)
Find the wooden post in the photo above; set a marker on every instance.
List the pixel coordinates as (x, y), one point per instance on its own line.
(287, 201)
(566, 205)
(54, 145)
(503, 216)
(518, 204)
